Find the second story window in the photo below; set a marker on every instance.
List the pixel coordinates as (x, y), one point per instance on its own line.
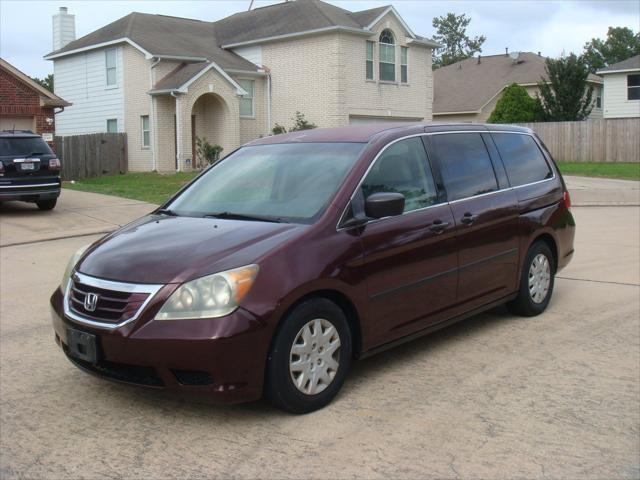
(110, 64)
(246, 101)
(633, 87)
(387, 56)
(370, 49)
(404, 62)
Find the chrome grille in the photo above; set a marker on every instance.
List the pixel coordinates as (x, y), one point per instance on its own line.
(117, 303)
(111, 306)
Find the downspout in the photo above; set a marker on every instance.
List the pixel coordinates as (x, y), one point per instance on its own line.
(269, 126)
(152, 120)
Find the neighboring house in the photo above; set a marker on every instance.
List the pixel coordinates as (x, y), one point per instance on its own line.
(25, 105)
(165, 80)
(622, 88)
(467, 91)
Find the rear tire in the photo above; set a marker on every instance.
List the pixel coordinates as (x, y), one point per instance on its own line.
(536, 282)
(47, 204)
(310, 357)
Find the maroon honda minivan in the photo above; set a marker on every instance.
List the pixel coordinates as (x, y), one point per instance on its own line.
(296, 254)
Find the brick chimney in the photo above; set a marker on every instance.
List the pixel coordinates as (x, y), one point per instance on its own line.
(64, 28)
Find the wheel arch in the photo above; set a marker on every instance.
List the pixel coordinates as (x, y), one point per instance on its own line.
(547, 238)
(343, 302)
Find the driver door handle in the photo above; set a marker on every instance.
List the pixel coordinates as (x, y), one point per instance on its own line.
(438, 226)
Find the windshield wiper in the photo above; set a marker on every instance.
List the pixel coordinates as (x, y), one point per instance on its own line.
(35, 153)
(241, 216)
(166, 211)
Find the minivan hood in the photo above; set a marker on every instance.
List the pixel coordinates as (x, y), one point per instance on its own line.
(162, 249)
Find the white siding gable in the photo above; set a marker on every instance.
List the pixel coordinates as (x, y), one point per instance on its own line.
(81, 79)
(252, 53)
(614, 99)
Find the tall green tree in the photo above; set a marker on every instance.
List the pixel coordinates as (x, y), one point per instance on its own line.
(515, 106)
(46, 82)
(451, 31)
(566, 96)
(621, 43)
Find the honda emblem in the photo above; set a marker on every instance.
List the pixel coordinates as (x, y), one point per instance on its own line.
(90, 301)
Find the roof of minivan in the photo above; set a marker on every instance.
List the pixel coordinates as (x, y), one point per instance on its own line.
(364, 133)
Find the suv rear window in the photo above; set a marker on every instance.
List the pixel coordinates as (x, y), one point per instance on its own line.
(15, 146)
(464, 164)
(522, 158)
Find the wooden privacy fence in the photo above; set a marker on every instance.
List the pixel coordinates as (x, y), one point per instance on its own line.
(604, 140)
(92, 155)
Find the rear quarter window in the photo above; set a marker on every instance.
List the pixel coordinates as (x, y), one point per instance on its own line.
(522, 158)
(465, 164)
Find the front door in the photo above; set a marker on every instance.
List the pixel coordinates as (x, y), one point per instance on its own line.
(409, 261)
(486, 216)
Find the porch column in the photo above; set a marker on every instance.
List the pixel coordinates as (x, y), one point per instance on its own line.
(183, 133)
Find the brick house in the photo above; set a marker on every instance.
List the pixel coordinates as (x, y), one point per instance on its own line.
(167, 80)
(25, 105)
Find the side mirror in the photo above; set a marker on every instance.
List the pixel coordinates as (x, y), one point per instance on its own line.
(384, 204)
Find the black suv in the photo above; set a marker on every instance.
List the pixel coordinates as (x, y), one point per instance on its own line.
(29, 170)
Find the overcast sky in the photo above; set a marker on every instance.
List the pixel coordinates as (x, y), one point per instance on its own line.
(549, 26)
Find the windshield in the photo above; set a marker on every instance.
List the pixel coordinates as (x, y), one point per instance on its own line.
(12, 146)
(282, 182)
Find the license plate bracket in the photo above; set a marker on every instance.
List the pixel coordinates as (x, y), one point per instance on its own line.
(82, 345)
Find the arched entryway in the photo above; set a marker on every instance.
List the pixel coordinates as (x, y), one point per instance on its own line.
(210, 116)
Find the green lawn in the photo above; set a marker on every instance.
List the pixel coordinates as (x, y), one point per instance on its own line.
(627, 171)
(147, 187)
(156, 188)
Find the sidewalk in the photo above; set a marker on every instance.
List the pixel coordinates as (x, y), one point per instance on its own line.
(587, 191)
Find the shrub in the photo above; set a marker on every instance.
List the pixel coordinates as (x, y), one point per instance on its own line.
(206, 152)
(300, 123)
(515, 106)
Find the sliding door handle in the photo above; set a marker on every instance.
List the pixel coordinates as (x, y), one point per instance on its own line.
(468, 218)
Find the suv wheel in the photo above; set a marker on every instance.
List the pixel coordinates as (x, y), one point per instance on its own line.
(536, 282)
(310, 357)
(46, 204)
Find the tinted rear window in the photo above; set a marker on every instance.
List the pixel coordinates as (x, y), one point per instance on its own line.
(464, 163)
(14, 146)
(522, 158)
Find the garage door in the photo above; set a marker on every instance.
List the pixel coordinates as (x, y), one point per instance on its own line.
(353, 120)
(19, 123)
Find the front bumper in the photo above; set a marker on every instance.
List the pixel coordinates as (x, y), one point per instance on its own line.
(222, 359)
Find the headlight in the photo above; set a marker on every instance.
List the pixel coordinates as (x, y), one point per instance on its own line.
(212, 296)
(71, 265)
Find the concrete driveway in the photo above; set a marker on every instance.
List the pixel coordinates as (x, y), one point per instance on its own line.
(496, 396)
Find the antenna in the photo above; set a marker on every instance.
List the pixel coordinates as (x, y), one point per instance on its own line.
(514, 56)
(250, 5)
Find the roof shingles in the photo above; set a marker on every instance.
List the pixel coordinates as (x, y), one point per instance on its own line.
(161, 35)
(632, 63)
(466, 86)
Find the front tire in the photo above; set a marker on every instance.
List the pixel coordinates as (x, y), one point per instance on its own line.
(536, 282)
(310, 357)
(47, 204)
